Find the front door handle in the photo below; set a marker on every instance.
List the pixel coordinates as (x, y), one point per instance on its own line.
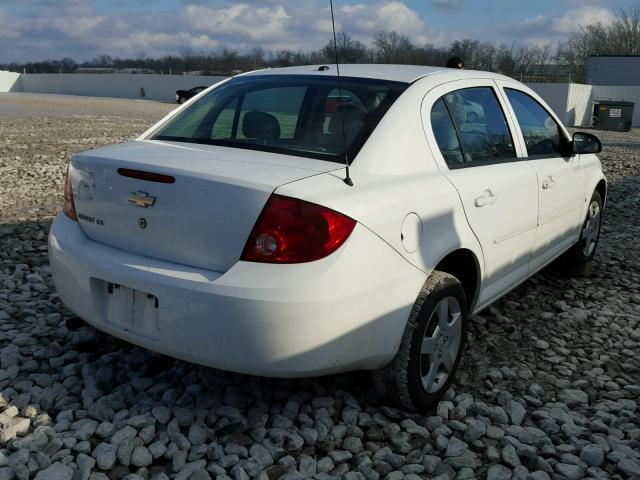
(487, 198)
(548, 183)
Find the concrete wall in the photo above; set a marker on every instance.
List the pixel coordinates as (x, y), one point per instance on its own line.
(156, 87)
(579, 105)
(614, 70)
(9, 81)
(555, 94)
(573, 102)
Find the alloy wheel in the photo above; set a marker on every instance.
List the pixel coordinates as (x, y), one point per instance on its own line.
(591, 229)
(440, 344)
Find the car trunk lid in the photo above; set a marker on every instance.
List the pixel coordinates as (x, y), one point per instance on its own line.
(201, 219)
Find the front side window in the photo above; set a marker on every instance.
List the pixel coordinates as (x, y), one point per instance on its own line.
(480, 124)
(542, 135)
(292, 114)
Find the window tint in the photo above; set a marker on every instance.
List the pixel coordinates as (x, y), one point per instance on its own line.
(280, 103)
(445, 133)
(334, 102)
(480, 124)
(223, 127)
(541, 133)
(292, 114)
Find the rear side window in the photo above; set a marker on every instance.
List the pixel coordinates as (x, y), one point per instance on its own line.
(292, 114)
(470, 128)
(480, 125)
(445, 132)
(542, 135)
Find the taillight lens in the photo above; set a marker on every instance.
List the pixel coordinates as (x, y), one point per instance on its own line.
(69, 206)
(294, 231)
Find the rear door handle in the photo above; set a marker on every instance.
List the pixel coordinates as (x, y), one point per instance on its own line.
(487, 198)
(548, 183)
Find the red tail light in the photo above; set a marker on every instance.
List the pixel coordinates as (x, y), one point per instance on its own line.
(69, 206)
(294, 231)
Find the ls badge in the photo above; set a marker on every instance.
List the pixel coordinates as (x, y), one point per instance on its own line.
(142, 199)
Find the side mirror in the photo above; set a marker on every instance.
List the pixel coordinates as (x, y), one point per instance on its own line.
(585, 143)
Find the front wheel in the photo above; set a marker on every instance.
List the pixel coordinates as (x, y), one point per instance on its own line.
(431, 346)
(585, 248)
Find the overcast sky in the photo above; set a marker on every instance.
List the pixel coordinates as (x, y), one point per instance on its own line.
(33, 30)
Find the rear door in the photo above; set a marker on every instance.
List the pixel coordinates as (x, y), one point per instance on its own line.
(560, 183)
(477, 153)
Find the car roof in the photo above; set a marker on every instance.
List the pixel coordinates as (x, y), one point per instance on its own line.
(398, 73)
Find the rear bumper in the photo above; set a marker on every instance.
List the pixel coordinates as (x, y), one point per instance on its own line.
(344, 312)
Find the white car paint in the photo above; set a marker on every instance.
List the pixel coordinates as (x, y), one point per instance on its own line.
(561, 199)
(345, 311)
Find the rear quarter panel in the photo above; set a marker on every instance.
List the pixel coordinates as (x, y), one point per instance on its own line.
(395, 175)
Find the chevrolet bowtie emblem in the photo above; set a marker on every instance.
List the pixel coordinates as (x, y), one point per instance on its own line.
(142, 199)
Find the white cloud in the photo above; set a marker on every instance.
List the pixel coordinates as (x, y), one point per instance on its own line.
(575, 18)
(350, 9)
(551, 29)
(7, 30)
(39, 29)
(390, 15)
(241, 19)
(150, 42)
(78, 27)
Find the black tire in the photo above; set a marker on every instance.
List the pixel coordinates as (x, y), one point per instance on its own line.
(401, 381)
(584, 249)
(181, 100)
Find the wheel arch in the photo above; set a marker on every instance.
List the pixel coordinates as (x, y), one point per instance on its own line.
(463, 264)
(601, 188)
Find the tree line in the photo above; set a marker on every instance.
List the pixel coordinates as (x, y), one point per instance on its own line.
(567, 62)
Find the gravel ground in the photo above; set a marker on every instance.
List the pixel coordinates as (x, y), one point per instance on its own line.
(549, 387)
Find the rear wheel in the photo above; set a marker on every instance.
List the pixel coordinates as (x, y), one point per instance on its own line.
(431, 346)
(181, 100)
(585, 248)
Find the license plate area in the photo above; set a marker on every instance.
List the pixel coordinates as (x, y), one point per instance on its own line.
(132, 310)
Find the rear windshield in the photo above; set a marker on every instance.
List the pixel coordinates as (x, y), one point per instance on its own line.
(292, 114)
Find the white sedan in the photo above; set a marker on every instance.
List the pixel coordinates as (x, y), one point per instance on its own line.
(230, 234)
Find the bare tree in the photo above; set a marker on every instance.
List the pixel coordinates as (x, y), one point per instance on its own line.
(349, 50)
(391, 47)
(624, 32)
(621, 37)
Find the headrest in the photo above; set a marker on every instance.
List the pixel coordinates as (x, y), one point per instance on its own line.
(353, 117)
(260, 125)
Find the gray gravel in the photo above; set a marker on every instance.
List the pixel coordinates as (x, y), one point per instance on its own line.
(549, 386)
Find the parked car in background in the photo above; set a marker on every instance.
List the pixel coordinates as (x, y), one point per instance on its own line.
(184, 95)
(226, 235)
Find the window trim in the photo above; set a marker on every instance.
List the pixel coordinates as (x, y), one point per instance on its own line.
(567, 141)
(236, 116)
(481, 163)
(455, 127)
(484, 163)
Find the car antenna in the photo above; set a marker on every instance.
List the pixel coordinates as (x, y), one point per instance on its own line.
(347, 178)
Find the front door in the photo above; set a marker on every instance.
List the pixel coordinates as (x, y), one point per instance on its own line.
(560, 184)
